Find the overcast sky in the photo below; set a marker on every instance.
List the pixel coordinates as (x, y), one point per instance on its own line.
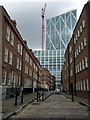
(28, 15)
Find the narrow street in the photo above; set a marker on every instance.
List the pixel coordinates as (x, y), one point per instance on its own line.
(56, 106)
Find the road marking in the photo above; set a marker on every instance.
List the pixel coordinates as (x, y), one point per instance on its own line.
(66, 97)
(22, 111)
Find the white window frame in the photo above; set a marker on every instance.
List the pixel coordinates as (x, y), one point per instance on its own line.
(4, 76)
(76, 37)
(85, 41)
(81, 29)
(77, 52)
(79, 49)
(20, 64)
(21, 51)
(80, 64)
(17, 66)
(6, 54)
(18, 47)
(82, 46)
(84, 85)
(9, 78)
(83, 23)
(78, 33)
(83, 65)
(74, 40)
(10, 58)
(12, 39)
(86, 62)
(81, 85)
(87, 82)
(8, 33)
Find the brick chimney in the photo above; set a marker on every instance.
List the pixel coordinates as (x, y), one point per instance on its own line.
(14, 22)
(25, 41)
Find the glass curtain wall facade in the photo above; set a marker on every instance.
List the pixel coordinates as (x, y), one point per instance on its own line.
(52, 60)
(59, 30)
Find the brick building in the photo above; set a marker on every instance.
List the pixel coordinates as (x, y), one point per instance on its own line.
(76, 69)
(19, 67)
(47, 80)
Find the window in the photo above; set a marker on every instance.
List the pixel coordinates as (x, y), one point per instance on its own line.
(6, 54)
(70, 60)
(78, 68)
(30, 72)
(81, 85)
(71, 72)
(8, 34)
(19, 81)
(83, 66)
(30, 61)
(21, 50)
(18, 47)
(84, 85)
(76, 37)
(83, 23)
(26, 57)
(81, 45)
(80, 64)
(78, 33)
(4, 77)
(86, 62)
(17, 66)
(80, 28)
(70, 49)
(9, 78)
(10, 58)
(77, 52)
(20, 64)
(79, 49)
(87, 84)
(26, 69)
(12, 39)
(85, 42)
(78, 85)
(74, 40)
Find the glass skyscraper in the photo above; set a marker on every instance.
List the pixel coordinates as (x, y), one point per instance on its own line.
(59, 30)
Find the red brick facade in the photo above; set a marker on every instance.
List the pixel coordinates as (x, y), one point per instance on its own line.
(76, 68)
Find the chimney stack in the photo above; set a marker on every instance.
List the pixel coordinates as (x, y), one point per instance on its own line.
(25, 41)
(14, 22)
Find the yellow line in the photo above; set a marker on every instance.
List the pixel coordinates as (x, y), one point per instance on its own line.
(66, 97)
(23, 111)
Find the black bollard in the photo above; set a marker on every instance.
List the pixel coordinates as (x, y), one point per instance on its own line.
(22, 97)
(16, 98)
(72, 91)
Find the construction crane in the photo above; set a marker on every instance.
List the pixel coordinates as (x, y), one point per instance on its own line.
(43, 28)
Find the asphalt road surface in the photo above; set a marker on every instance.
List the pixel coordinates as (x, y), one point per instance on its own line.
(53, 108)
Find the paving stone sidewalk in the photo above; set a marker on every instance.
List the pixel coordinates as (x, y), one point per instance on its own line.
(8, 106)
(78, 99)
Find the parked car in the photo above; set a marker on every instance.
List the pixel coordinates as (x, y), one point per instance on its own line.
(57, 91)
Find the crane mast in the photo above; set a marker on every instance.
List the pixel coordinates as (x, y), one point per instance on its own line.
(43, 27)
